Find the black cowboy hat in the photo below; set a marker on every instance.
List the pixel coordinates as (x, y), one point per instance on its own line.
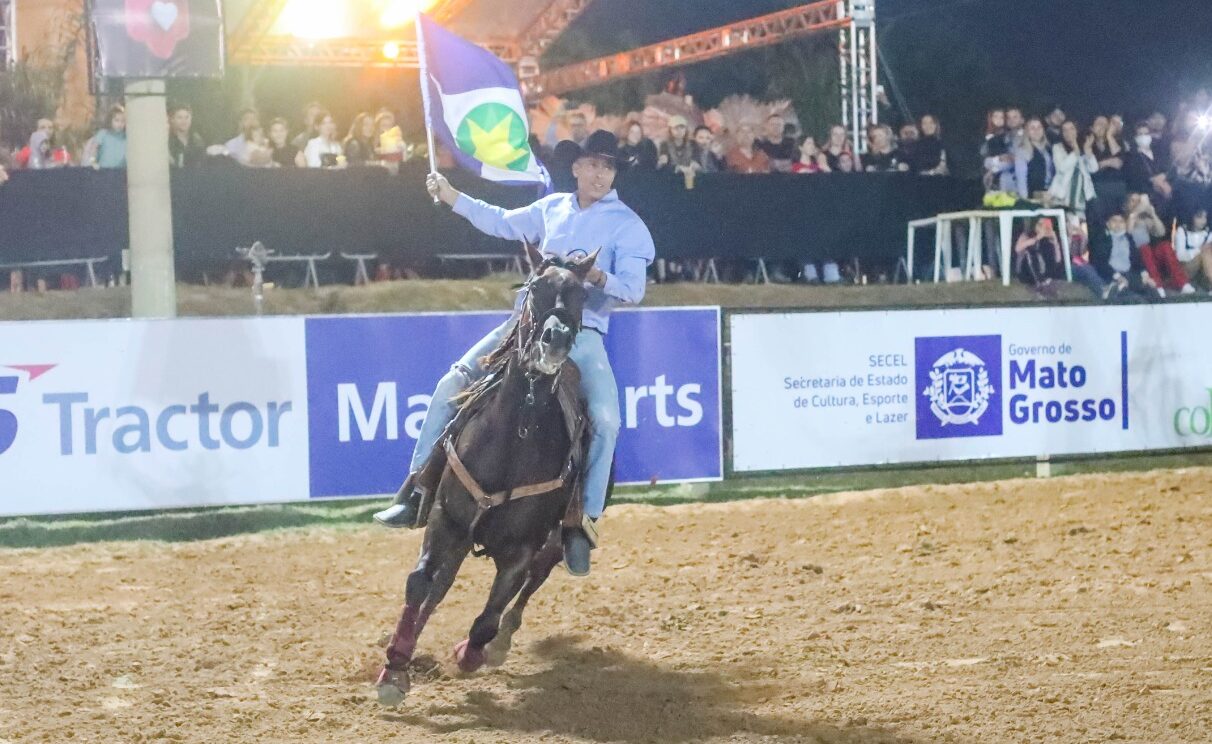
(601, 144)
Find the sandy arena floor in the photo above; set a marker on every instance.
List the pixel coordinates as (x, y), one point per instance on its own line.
(1072, 610)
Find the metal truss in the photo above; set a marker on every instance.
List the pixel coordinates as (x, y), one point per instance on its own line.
(255, 26)
(552, 22)
(704, 45)
(859, 71)
(290, 51)
(251, 43)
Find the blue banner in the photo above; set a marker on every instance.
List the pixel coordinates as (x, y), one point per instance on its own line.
(370, 380)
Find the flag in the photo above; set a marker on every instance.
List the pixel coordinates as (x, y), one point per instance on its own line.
(474, 107)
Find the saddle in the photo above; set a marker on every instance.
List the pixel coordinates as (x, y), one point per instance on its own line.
(567, 388)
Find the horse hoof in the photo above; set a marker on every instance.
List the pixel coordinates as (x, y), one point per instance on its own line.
(497, 651)
(392, 687)
(469, 659)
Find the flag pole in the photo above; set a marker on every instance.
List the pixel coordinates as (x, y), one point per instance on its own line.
(425, 104)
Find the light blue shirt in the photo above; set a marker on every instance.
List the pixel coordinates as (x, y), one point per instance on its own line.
(559, 226)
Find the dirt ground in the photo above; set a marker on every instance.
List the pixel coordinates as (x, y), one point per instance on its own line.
(1071, 610)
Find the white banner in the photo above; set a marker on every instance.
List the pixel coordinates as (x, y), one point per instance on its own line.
(814, 390)
(122, 415)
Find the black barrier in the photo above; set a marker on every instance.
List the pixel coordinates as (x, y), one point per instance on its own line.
(75, 213)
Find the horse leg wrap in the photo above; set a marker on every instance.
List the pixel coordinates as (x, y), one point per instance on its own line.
(403, 641)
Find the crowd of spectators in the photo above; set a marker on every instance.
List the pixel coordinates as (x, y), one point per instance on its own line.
(1117, 183)
(372, 140)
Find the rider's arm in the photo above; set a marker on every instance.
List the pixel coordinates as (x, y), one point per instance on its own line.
(628, 278)
(513, 224)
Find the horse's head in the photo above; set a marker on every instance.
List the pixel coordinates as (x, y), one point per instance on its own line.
(555, 299)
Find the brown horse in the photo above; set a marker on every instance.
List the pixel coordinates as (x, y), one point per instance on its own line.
(510, 468)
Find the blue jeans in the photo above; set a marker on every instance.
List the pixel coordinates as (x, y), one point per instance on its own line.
(597, 383)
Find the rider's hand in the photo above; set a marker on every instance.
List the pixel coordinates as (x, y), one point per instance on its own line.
(440, 188)
(596, 277)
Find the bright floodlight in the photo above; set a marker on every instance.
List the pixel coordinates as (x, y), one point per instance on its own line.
(315, 19)
(398, 13)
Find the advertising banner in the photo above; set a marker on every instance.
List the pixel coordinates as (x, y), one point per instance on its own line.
(158, 38)
(813, 390)
(370, 381)
(125, 415)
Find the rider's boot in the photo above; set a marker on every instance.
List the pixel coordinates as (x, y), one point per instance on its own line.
(405, 509)
(578, 543)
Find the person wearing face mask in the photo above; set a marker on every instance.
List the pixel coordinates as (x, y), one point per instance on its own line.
(1193, 246)
(563, 225)
(1143, 169)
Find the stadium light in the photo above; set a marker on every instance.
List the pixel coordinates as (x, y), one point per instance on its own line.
(315, 19)
(391, 50)
(397, 13)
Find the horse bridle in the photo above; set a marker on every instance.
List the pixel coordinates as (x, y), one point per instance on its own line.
(528, 315)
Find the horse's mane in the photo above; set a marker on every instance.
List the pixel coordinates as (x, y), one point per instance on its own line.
(494, 362)
(497, 361)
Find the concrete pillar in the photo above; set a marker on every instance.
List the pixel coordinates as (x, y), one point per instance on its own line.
(153, 274)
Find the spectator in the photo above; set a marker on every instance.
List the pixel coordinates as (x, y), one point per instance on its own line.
(111, 141)
(907, 139)
(710, 156)
(1143, 170)
(638, 153)
(881, 157)
(324, 151)
(927, 156)
(310, 126)
(1037, 259)
(389, 141)
(1115, 130)
(1072, 186)
(360, 144)
(185, 148)
(777, 145)
(1079, 259)
(1117, 259)
(1156, 253)
(1015, 126)
(839, 143)
(1055, 120)
(37, 155)
(578, 127)
(812, 160)
(1190, 150)
(237, 147)
(745, 156)
(679, 151)
(1107, 150)
(996, 154)
(1033, 167)
(260, 152)
(1193, 246)
(846, 163)
(282, 153)
(1161, 139)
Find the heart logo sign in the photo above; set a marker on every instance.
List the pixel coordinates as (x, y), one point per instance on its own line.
(164, 14)
(159, 24)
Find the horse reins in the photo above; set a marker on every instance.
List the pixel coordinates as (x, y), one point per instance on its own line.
(484, 500)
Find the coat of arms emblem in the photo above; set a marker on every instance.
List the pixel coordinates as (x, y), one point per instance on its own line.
(959, 388)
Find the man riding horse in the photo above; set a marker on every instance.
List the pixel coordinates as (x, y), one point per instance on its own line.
(567, 226)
